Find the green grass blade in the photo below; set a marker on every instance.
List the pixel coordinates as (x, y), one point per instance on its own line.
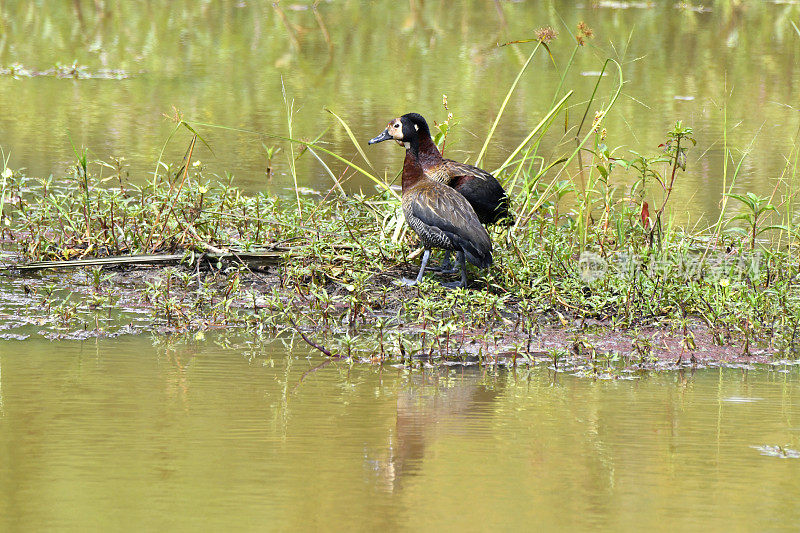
(164, 147)
(3, 189)
(352, 137)
(191, 129)
(355, 167)
(555, 109)
(292, 167)
(503, 106)
(329, 171)
(548, 191)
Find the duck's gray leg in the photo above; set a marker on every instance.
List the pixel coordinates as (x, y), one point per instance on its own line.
(425, 256)
(447, 266)
(464, 281)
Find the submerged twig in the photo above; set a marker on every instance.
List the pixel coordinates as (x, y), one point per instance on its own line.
(311, 343)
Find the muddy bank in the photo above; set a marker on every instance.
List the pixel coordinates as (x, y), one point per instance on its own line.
(182, 301)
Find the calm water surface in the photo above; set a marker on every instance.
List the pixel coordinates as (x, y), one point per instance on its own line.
(229, 434)
(731, 66)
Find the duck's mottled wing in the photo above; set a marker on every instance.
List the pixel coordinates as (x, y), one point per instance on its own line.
(447, 214)
(463, 170)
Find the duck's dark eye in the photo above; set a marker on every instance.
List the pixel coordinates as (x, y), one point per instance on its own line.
(397, 125)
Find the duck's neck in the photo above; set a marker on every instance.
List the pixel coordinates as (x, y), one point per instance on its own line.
(412, 171)
(421, 154)
(426, 151)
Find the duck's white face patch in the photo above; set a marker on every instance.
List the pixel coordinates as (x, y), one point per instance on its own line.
(395, 128)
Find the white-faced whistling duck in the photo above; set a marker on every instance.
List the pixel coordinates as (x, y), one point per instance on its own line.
(441, 217)
(483, 192)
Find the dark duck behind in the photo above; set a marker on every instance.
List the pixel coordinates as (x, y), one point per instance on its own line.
(441, 217)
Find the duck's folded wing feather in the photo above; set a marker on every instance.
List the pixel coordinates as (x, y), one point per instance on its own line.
(447, 211)
(481, 189)
(456, 169)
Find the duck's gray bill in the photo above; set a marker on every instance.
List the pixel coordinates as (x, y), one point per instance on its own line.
(382, 137)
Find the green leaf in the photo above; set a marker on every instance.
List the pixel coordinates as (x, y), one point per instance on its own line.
(781, 227)
(737, 230)
(744, 216)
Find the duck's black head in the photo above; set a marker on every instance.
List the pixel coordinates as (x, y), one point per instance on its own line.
(406, 130)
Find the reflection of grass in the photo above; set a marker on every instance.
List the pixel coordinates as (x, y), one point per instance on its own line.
(74, 71)
(6, 174)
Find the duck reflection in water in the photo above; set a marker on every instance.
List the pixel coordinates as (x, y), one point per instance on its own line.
(432, 405)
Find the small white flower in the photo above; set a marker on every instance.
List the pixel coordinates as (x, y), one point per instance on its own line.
(197, 163)
(7, 173)
(724, 282)
(202, 190)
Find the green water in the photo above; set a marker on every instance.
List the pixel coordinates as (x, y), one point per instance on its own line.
(732, 69)
(125, 434)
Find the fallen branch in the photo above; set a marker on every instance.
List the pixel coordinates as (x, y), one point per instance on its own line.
(311, 343)
(255, 257)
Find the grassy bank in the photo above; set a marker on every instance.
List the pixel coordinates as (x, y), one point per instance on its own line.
(588, 273)
(595, 268)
